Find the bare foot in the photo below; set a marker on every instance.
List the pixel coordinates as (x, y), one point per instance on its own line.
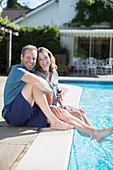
(102, 134)
(59, 125)
(108, 140)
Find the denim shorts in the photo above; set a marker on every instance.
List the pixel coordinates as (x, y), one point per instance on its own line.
(20, 113)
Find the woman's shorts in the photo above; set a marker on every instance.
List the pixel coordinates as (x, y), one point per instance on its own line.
(20, 113)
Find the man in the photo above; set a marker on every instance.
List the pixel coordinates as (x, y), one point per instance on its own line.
(25, 95)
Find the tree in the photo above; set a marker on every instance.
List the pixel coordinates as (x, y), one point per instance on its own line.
(97, 12)
(93, 1)
(14, 4)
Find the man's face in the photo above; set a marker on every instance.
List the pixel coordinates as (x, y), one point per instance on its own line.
(28, 61)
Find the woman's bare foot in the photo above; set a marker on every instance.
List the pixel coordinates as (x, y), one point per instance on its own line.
(102, 134)
(59, 125)
(108, 140)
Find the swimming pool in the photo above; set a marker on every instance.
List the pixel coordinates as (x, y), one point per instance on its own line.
(97, 102)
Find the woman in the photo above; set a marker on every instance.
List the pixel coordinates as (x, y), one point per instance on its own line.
(46, 68)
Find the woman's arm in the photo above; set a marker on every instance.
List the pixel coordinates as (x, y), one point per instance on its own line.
(60, 97)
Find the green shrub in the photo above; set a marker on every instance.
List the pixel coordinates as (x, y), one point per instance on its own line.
(46, 36)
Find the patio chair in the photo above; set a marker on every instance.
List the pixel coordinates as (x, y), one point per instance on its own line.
(108, 66)
(100, 66)
(91, 65)
(79, 65)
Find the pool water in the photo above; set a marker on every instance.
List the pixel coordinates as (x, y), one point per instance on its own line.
(87, 154)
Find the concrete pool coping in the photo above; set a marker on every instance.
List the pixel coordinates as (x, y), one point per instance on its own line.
(51, 149)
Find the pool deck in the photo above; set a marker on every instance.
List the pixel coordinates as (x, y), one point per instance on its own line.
(26, 148)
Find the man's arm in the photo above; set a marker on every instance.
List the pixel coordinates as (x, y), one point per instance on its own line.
(42, 84)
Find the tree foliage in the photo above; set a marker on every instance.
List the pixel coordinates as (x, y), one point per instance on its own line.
(92, 13)
(93, 1)
(47, 36)
(14, 4)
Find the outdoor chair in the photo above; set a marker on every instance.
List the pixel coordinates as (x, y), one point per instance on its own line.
(91, 65)
(79, 65)
(100, 66)
(108, 66)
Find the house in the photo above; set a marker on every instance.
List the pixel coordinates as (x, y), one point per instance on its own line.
(80, 43)
(52, 12)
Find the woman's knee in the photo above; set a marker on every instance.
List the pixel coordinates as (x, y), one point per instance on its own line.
(76, 114)
(65, 115)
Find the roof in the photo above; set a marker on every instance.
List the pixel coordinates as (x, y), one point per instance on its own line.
(13, 13)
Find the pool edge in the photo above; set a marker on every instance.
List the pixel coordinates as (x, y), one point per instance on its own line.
(51, 148)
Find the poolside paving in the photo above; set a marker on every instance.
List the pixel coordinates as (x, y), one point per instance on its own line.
(25, 148)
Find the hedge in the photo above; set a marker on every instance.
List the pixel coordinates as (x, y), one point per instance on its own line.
(46, 36)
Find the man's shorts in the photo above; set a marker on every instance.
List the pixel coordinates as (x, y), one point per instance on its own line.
(20, 113)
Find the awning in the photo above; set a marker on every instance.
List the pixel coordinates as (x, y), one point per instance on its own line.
(87, 33)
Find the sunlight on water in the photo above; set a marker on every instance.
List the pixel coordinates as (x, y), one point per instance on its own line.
(87, 154)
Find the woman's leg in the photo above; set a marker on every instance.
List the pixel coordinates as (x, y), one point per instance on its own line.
(98, 134)
(79, 113)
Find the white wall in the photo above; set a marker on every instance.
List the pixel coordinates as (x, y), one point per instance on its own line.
(46, 16)
(66, 10)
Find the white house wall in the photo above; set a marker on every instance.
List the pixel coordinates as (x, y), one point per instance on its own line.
(68, 42)
(66, 10)
(46, 16)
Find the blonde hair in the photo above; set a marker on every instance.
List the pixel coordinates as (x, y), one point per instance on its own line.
(52, 59)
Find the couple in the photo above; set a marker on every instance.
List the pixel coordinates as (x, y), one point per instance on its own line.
(30, 99)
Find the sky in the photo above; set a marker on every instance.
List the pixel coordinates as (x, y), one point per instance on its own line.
(31, 4)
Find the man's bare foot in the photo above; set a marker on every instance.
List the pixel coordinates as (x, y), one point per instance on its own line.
(59, 125)
(102, 134)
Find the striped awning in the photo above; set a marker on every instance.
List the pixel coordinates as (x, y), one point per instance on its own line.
(87, 33)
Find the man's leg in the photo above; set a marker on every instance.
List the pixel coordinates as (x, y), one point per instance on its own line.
(33, 94)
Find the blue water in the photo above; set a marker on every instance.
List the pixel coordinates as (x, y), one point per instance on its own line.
(97, 102)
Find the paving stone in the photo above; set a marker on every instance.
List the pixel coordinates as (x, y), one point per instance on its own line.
(8, 155)
(17, 135)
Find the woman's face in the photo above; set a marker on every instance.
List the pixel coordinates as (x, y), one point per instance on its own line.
(44, 61)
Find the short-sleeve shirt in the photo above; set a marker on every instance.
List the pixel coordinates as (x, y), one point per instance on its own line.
(53, 83)
(13, 86)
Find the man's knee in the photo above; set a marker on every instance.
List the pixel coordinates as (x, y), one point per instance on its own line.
(27, 88)
(27, 93)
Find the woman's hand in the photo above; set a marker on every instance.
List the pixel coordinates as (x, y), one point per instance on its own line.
(78, 109)
(60, 94)
(72, 109)
(67, 108)
(56, 110)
